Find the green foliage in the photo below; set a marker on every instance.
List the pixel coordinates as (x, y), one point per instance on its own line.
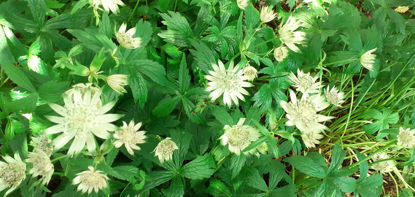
(165, 61)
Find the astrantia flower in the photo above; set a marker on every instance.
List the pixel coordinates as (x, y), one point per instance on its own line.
(402, 9)
(303, 113)
(83, 116)
(250, 73)
(89, 180)
(164, 150)
(42, 166)
(311, 138)
(239, 136)
(267, 14)
(304, 82)
(12, 173)
(242, 4)
(333, 96)
(126, 39)
(43, 143)
(368, 59)
(227, 82)
(117, 81)
(280, 53)
(109, 5)
(317, 101)
(406, 138)
(289, 36)
(385, 166)
(129, 136)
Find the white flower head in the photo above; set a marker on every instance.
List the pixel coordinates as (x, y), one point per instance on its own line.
(164, 149)
(43, 143)
(82, 117)
(290, 36)
(303, 113)
(42, 166)
(267, 14)
(90, 179)
(280, 53)
(129, 136)
(242, 4)
(117, 81)
(385, 166)
(304, 82)
(239, 136)
(402, 9)
(12, 173)
(406, 137)
(311, 138)
(250, 73)
(109, 5)
(333, 96)
(126, 39)
(227, 82)
(317, 101)
(368, 59)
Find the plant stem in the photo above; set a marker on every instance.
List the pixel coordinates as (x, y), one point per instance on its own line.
(132, 13)
(371, 155)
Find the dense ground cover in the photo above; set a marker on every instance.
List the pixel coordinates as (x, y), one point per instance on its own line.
(207, 98)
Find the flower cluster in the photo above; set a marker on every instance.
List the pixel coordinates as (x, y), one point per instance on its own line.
(290, 36)
(83, 117)
(230, 83)
(90, 179)
(406, 138)
(129, 136)
(126, 38)
(239, 136)
(303, 113)
(12, 173)
(164, 149)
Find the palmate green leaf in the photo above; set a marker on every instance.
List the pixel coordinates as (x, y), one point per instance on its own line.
(251, 16)
(123, 172)
(38, 9)
(105, 26)
(222, 116)
(256, 181)
(153, 70)
(178, 29)
(203, 55)
(218, 188)
(337, 158)
(200, 168)
(184, 77)
(93, 39)
(383, 120)
(7, 61)
(144, 30)
(307, 166)
(176, 188)
(138, 86)
(156, 178)
(17, 76)
(71, 21)
(165, 107)
(24, 105)
(238, 162)
(370, 186)
(10, 13)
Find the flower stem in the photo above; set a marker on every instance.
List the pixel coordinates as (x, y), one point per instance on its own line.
(132, 13)
(59, 158)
